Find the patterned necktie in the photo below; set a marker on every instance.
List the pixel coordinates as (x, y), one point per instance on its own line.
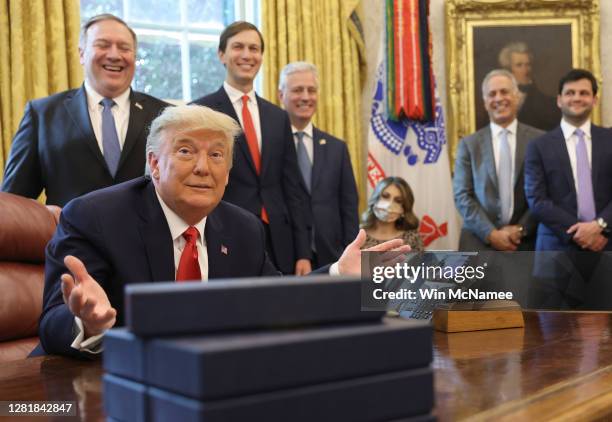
(189, 265)
(586, 202)
(505, 177)
(110, 140)
(303, 160)
(251, 138)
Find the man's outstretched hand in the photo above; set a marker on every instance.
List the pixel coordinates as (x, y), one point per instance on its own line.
(350, 261)
(86, 299)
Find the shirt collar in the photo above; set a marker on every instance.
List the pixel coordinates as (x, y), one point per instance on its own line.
(122, 100)
(496, 129)
(308, 130)
(568, 129)
(176, 224)
(235, 95)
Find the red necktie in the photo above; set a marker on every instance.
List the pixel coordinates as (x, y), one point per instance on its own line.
(189, 266)
(251, 137)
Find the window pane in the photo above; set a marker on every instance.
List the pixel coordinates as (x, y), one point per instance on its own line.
(91, 8)
(210, 13)
(158, 66)
(157, 12)
(207, 72)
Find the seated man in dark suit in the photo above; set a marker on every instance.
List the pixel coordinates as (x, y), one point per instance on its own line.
(88, 138)
(568, 176)
(265, 179)
(325, 166)
(171, 225)
(488, 181)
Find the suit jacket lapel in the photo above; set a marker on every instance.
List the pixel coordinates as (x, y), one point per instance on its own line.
(558, 144)
(138, 114)
(519, 155)
(217, 247)
(223, 104)
(488, 158)
(265, 156)
(156, 236)
(77, 109)
(319, 155)
(596, 154)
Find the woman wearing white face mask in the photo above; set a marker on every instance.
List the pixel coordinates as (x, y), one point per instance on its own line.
(390, 216)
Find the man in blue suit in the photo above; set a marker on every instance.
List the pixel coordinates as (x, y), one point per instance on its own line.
(568, 176)
(325, 166)
(488, 180)
(169, 225)
(265, 177)
(88, 138)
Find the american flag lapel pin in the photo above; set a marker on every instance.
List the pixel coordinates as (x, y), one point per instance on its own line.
(224, 249)
(138, 105)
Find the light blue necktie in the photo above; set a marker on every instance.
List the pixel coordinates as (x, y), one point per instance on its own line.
(110, 140)
(505, 177)
(303, 160)
(586, 202)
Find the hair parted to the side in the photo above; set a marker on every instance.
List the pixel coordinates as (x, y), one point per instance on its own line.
(505, 55)
(498, 72)
(296, 67)
(99, 18)
(575, 75)
(235, 28)
(408, 221)
(189, 117)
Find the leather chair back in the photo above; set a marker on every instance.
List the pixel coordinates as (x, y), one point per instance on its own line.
(25, 228)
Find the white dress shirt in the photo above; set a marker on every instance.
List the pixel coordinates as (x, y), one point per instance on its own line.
(120, 111)
(307, 139)
(571, 140)
(235, 97)
(177, 228)
(496, 131)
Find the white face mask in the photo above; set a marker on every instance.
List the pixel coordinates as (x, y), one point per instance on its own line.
(388, 211)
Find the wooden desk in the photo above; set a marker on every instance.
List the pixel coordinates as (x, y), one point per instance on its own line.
(559, 366)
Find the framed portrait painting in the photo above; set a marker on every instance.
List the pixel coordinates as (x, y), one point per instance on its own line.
(538, 41)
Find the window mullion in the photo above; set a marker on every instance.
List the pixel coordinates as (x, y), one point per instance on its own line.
(185, 62)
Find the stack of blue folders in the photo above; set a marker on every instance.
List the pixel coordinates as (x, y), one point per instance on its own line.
(264, 350)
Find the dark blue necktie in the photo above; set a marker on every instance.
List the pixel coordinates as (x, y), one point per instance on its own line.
(110, 140)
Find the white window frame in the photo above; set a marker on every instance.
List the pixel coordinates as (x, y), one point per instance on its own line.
(248, 10)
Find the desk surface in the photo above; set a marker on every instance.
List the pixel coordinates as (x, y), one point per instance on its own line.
(559, 365)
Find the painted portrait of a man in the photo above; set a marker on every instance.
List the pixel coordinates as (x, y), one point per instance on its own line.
(536, 108)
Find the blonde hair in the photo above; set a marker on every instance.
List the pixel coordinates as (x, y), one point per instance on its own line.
(189, 117)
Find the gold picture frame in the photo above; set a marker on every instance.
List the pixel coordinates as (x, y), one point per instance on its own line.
(474, 24)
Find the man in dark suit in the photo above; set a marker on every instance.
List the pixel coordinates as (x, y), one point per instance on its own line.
(568, 176)
(265, 177)
(488, 181)
(325, 166)
(88, 138)
(171, 225)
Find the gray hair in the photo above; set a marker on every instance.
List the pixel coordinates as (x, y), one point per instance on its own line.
(296, 67)
(499, 72)
(99, 18)
(505, 55)
(190, 117)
